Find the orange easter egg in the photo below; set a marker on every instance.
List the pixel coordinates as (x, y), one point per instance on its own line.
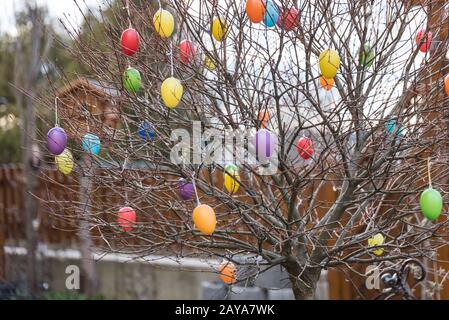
(204, 218)
(228, 272)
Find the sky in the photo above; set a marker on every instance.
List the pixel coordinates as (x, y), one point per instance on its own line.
(56, 8)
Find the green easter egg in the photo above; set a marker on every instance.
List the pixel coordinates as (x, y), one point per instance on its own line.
(366, 57)
(132, 80)
(231, 169)
(431, 204)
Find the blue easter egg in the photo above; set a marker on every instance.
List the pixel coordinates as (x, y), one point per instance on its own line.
(390, 126)
(146, 131)
(91, 143)
(271, 15)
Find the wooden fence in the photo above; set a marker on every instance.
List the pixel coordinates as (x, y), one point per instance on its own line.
(62, 233)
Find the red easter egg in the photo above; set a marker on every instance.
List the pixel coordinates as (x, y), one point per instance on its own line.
(126, 218)
(130, 41)
(187, 51)
(426, 43)
(289, 19)
(305, 147)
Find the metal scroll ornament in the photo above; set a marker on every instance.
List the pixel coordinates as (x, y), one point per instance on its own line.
(395, 281)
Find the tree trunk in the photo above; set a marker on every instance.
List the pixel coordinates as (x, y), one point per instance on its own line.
(304, 282)
(27, 70)
(30, 202)
(90, 283)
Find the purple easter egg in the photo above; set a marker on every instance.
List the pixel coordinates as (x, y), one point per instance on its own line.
(185, 189)
(264, 143)
(56, 140)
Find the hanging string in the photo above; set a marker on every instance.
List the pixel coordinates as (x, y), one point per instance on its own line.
(428, 172)
(129, 15)
(194, 188)
(171, 58)
(126, 196)
(56, 112)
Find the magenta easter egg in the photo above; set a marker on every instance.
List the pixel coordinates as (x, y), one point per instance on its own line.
(56, 140)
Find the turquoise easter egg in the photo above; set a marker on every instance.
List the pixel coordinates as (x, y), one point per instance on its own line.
(91, 144)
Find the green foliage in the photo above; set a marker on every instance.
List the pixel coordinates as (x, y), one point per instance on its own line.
(6, 67)
(10, 151)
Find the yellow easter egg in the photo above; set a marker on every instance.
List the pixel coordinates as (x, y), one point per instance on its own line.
(64, 162)
(171, 92)
(377, 240)
(209, 63)
(164, 23)
(219, 29)
(329, 62)
(231, 183)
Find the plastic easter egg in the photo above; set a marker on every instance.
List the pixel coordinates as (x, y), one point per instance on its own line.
(126, 218)
(255, 10)
(171, 92)
(264, 118)
(289, 19)
(231, 168)
(204, 218)
(366, 56)
(264, 144)
(164, 23)
(327, 84)
(329, 62)
(130, 41)
(305, 147)
(91, 144)
(187, 51)
(431, 204)
(185, 189)
(220, 29)
(271, 14)
(446, 84)
(426, 42)
(390, 126)
(231, 183)
(132, 80)
(209, 63)
(146, 131)
(375, 241)
(64, 162)
(228, 272)
(231, 178)
(56, 140)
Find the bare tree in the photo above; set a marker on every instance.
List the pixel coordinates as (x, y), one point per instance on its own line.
(28, 64)
(377, 135)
